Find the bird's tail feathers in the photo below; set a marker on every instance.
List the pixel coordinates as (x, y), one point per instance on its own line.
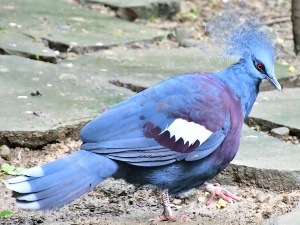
(55, 184)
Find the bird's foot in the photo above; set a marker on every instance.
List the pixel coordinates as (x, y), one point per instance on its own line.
(163, 217)
(217, 190)
(167, 214)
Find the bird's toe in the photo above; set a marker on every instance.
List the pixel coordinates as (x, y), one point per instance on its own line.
(217, 190)
(163, 217)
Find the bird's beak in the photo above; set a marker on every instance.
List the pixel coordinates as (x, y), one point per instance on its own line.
(274, 81)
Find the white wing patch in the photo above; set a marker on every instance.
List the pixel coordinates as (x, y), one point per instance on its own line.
(188, 131)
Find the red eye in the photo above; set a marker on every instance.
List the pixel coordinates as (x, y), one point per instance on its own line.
(260, 66)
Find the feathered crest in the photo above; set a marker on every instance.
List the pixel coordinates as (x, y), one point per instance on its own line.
(238, 33)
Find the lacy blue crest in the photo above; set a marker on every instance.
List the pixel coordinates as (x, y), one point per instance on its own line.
(239, 33)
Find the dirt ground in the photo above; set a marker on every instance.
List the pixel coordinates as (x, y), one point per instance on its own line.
(115, 202)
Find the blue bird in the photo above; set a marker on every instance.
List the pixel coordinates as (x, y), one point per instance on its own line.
(176, 135)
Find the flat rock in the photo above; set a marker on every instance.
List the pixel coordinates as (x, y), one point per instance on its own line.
(264, 152)
(265, 162)
(5, 152)
(78, 89)
(146, 67)
(70, 27)
(68, 95)
(280, 132)
(281, 108)
(16, 43)
(146, 9)
(292, 81)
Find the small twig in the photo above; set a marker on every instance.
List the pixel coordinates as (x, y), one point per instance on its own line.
(277, 20)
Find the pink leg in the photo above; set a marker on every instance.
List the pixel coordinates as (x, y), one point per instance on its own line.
(217, 190)
(167, 214)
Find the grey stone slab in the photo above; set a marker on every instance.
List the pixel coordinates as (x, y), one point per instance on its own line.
(264, 152)
(264, 162)
(131, 3)
(71, 25)
(291, 81)
(147, 67)
(130, 10)
(280, 132)
(68, 96)
(16, 43)
(281, 108)
(79, 87)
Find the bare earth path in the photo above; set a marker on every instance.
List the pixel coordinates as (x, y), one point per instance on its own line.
(115, 202)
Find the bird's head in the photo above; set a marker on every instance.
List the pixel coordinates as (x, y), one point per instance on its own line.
(259, 61)
(244, 36)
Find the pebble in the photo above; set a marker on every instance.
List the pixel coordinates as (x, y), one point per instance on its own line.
(151, 202)
(262, 198)
(182, 34)
(281, 132)
(5, 152)
(177, 201)
(136, 45)
(287, 199)
(202, 200)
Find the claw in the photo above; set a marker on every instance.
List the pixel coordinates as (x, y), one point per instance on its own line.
(167, 214)
(162, 217)
(217, 190)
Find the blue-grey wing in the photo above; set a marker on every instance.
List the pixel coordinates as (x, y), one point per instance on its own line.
(178, 119)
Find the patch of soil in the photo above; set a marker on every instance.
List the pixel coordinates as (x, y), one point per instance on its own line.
(116, 202)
